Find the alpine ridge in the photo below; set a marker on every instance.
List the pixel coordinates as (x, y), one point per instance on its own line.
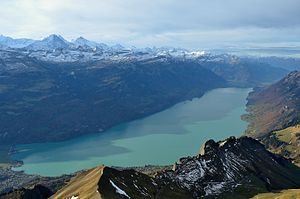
(221, 170)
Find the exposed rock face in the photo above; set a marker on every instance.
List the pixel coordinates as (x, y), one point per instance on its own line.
(232, 163)
(275, 107)
(223, 168)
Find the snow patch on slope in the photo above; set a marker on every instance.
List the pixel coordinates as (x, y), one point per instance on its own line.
(118, 190)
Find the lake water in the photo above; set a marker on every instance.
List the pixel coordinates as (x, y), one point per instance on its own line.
(159, 139)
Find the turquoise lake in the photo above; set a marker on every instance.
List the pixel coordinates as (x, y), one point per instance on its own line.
(159, 139)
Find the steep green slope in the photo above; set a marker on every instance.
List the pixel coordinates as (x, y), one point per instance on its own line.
(274, 119)
(275, 107)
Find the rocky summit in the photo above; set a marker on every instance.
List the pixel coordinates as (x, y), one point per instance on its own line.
(221, 170)
(234, 164)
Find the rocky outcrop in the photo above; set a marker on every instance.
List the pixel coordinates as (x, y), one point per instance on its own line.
(224, 166)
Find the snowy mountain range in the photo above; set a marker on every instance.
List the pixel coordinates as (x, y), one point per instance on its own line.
(56, 48)
(51, 42)
(14, 43)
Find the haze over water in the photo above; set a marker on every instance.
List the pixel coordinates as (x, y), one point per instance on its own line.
(159, 139)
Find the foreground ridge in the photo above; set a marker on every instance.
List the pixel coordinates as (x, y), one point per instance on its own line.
(221, 169)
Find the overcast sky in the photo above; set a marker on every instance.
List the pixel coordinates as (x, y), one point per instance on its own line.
(180, 23)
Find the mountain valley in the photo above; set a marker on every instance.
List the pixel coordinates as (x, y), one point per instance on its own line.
(60, 88)
(144, 99)
(63, 93)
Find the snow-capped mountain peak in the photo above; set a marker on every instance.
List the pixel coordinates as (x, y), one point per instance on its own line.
(51, 42)
(81, 41)
(117, 47)
(54, 37)
(56, 48)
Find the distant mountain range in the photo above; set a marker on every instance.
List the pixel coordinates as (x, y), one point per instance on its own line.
(51, 42)
(56, 48)
(14, 43)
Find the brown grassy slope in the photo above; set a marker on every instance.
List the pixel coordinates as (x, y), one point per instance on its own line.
(85, 185)
(285, 142)
(285, 194)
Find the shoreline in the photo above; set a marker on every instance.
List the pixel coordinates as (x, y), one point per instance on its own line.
(239, 132)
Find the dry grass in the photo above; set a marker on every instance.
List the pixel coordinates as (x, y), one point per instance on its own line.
(285, 194)
(85, 186)
(291, 136)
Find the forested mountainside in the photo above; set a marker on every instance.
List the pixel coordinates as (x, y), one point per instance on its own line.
(237, 168)
(57, 90)
(52, 102)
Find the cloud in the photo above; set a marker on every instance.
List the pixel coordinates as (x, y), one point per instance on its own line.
(157, 22)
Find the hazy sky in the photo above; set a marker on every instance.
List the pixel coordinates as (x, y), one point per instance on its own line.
(181, 23)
